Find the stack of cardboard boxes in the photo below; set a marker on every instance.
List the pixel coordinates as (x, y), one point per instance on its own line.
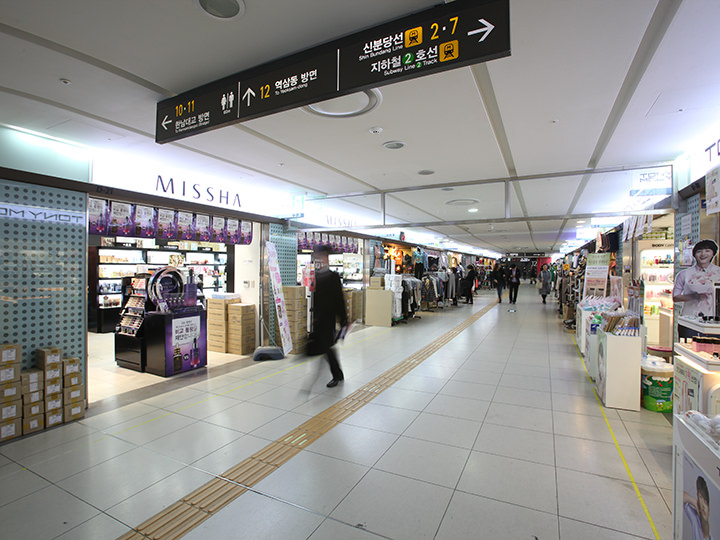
(10, 391)
(49, 360)
(241, 328)
(378, 303)
(358, 306)
(41, 397)
(296, 308)
(217, 322)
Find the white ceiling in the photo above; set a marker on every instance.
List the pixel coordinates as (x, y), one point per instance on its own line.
(608, 85)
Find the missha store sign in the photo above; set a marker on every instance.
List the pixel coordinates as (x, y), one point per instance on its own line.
(189, 186)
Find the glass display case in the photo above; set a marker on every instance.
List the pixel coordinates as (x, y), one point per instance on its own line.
(657, 273)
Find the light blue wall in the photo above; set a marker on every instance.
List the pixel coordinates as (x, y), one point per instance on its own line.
(25, 152)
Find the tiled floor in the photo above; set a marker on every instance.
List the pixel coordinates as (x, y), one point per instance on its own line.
(498, 435)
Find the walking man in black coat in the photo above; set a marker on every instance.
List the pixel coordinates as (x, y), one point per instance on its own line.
(328, 309)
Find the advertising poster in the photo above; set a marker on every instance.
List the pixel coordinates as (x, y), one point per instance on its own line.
(700, 498)
(185, 226)
(121, 219)
(167, 224)
(596, 274)
(218, 229)
(232, 231)
(686, 388)
(145, 221)
(186, 349)
(712, 190)
(97, 216)
(202, 228)
(246, 232)
(276, 283)
(616, 288)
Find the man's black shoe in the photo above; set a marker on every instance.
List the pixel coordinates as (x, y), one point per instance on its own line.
(333, 383)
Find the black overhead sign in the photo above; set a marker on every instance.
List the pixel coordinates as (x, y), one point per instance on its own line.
(445, 37)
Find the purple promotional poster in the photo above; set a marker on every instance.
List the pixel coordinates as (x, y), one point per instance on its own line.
(185, 343)
(186, 226)
(246, 232)
(97, 216)
(167, 224)
(145, 221)
(203, 232)
(122, 219)
(232, 231)
(218, 229)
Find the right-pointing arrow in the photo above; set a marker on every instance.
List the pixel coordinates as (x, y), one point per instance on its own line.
(484, 31)
(249, 94)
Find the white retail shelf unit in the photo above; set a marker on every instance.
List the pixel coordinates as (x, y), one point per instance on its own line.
(699, 326)
(618, 381)
(696, 384)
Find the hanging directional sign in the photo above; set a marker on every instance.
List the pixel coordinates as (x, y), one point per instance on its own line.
(445, 37)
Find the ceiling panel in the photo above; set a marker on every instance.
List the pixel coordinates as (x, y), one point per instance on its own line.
(452, 204)
(606, 193)
(556, 90)
(549, 196)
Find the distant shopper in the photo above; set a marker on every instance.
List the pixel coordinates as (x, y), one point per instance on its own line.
(513, 282)
(694, 286)
(498, 280)
(453, 285)
(468, 283)
(328, 310)
(697, 510)
(544, 278)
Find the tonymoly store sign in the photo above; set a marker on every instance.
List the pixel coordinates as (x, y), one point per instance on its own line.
(189, 186)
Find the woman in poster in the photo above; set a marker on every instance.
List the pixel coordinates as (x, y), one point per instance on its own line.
(694, 286)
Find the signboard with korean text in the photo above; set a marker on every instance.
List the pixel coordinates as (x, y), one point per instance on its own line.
(596, 274)
(444, 37)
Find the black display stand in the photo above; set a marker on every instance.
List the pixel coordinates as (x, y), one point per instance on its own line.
(130, 349)
(107, 319)
(130, 352)
(161, 356)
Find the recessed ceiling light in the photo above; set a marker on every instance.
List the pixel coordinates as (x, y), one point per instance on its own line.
(375, 130)
(581, 221)
(66, 82)
(223, 9)
(426, 172)
(447, 189)
(347, 106)
(472, 210)
(462, 202)
(394, 145)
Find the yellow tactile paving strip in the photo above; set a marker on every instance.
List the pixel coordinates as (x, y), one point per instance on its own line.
(180, 518)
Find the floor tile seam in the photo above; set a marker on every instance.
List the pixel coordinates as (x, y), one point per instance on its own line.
(465, 492)
(627, 446)
(475, 317)
(525, 460)
(608, 476)
(625, 533)
(490, 422)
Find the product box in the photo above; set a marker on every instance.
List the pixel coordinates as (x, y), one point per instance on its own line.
(9, 373)
(33, 409)
(10, 429)
(33, 387)
(243, 348)
(48, 356)
(32, 376)
(53, 386)
(53, 403)
(10, 410)
(217, 347)
(293, 292)
(74, 394)
(74, 411)
(72, 380)
(377, 282)
(33, 397)
(71, 366)
(10, 391)
(53, 372)
(53, 418)
(10, 354)
(31, 424)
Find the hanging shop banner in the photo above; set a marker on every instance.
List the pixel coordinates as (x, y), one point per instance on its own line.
(712, 191)
(121, 219)
(202, 228)
(185, 226)
(145, 221)
(218, 229)
(232, 231)
(167, 224)
(276, 283)
(246, 232)
(441, 38)
(596, 274)
(97, 216)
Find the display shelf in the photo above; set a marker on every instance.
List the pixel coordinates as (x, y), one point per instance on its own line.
(699, 326)
(702, 358)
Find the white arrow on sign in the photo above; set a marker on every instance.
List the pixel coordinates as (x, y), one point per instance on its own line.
(249, 94)
(485, 31)
(165, 122)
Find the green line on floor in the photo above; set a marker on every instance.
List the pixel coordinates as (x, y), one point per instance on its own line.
(617, 445)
